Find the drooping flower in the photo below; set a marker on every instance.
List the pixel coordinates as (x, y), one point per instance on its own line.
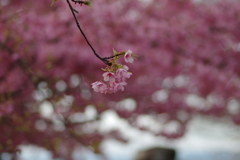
(128, 57)
(122, 74)
(99, 87)
(109, 76)
(115, 74)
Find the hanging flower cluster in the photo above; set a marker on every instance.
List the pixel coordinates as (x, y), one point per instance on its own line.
(115, 75)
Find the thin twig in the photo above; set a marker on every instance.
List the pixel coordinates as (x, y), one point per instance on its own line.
(78, 1)
(119, 54)
(78, 25)
(74, 10)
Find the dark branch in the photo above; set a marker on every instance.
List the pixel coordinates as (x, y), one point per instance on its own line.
(80, 29)
(74, 10)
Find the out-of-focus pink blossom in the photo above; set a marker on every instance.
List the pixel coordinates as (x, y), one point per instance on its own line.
(122, 74)
(128, 57)
(6, 108)
(109, 76)
(99, 87)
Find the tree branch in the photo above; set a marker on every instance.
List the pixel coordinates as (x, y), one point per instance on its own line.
(80, 29)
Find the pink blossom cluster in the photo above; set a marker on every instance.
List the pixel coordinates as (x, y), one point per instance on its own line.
(114, 79)
(6, 108)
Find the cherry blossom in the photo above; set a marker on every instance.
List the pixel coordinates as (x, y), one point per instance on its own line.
(99, 87)
(115, 75)
(122, 74)
(119, 86)
(128, 57)
(109, 76)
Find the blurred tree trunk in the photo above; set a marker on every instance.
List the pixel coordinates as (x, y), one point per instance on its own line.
(156, 154)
